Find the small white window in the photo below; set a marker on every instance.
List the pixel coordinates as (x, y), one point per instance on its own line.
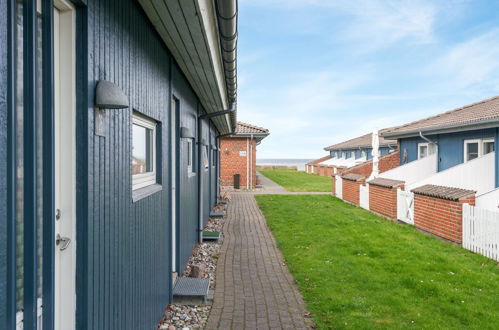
(143, 151)
(206, 161)
(488, 146)
(190, 153)
(477, 148)
(426, 149)
(422, 150)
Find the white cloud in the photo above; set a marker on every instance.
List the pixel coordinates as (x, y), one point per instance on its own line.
(374, 23)
(474, 62)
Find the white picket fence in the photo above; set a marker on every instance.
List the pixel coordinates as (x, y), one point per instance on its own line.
(364, 196)
(481, 231)
(339, 187)
(405, 206)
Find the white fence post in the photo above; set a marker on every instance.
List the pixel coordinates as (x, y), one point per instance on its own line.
(405, 206)
(481, 231)
(339, 187)
(364, 196)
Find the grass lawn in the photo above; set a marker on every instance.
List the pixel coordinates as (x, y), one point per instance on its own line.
(358, 270)
(294, 180)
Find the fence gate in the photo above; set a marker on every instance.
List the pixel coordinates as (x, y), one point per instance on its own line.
(339, 187)
(405, 206)
(481, 231)
(364, 196)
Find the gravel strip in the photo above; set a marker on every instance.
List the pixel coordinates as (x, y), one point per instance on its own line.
(195, 317)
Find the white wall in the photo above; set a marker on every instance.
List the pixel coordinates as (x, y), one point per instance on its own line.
(488, 200)
(414, 171)
(478, 175)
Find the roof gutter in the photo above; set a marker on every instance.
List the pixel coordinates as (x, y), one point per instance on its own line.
(227, 24)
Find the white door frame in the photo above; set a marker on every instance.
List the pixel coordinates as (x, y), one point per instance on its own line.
(173, 169)
(65, 164)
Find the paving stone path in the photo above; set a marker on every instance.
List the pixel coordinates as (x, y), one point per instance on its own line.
(254, 288)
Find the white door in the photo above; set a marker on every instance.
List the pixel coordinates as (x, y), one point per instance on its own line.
(64, 100)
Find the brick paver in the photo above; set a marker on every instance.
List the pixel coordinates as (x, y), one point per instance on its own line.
(254, 288)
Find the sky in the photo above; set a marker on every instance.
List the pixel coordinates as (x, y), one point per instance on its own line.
(319, 72)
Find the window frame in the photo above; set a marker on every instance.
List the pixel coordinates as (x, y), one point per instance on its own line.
(487, 140)
(142, 180)
(481, 143)
(206, 157)
(423, 144)
(190, 157)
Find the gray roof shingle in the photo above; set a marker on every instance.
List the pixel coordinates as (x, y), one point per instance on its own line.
(449, 193)
(387, 183)
(468, 115)
(364, 141)
(353, 177)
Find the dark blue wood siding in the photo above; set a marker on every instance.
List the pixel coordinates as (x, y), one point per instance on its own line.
(450, 146)
(123, 247)
(213, 166)
(3, 163)
(205, 172)
(188, 223)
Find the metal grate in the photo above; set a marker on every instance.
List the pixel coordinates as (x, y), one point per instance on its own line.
(217, 214)
(191, 287)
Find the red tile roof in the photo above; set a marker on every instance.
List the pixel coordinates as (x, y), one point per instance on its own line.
(244, 128)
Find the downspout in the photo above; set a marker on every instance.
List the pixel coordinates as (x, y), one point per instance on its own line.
(247, 163)
(251, 162)
(200, 182)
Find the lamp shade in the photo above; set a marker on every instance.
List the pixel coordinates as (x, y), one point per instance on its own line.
(108, 95)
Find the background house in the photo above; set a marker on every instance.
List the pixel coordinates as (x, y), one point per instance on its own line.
(238, 155)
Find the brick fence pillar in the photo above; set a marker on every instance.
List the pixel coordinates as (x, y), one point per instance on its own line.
(351, 187)
(333, 185)
(383, 196)
(439, 210)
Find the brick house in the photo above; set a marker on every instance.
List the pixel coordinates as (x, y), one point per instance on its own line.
(238, 155)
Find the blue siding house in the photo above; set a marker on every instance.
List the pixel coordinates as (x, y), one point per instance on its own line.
(456, 137)
(111, 114)
(358, 150)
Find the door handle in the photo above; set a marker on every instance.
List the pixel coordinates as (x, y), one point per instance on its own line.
(64, 241)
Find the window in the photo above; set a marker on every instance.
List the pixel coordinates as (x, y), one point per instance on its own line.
(425, 149)
(143, 151)
(206, 161)
(214, 157)
(422, 150)
(477, 148)
(190, 154)
(488, 146)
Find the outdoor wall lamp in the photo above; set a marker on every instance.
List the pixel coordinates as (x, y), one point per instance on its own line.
(185, 133)
(108, 95)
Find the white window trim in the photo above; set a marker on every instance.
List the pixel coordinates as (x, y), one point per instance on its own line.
(190, 157)
(423, 144)
(206, 158)
(487, 140)
(149, 178)
(480, 142)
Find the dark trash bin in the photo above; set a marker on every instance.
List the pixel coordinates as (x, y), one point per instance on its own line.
(237, 181)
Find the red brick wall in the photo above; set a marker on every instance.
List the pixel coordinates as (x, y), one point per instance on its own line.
(232, 163)
(383, 200)
(328, 171)
(440, 217)
(351, 191)
(386, 162)
(333, 187)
